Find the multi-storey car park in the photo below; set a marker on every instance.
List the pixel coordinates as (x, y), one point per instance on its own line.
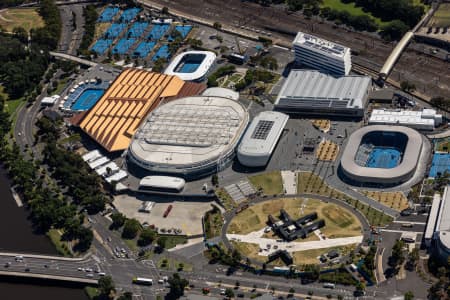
(261, 138)
(189, 137)
(381, 155)
(317, 53)
(191, 65)
(307, 92)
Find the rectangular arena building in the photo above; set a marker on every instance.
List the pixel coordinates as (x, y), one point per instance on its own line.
(312, 93)
(115, 118)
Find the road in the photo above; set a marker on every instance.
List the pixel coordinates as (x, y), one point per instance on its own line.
(71, 35)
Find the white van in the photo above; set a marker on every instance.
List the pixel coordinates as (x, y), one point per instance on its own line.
(329, 285)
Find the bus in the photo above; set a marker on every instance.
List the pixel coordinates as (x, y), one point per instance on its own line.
(143, 281)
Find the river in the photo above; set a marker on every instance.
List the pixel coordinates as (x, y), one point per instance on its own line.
(17, 235)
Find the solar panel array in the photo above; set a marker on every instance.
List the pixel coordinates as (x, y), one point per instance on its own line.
(262, 129)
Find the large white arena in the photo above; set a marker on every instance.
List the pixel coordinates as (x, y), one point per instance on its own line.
(191, 65)
(189, 137)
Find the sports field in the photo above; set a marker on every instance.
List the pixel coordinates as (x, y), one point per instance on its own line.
(27, 18)
(441, 17)
(339, 222)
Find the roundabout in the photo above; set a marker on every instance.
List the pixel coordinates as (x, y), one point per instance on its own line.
(248, 231)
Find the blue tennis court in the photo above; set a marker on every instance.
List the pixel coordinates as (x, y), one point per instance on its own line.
(123, 45)
(87, 99)
(386, 158)
(158, 31)
(137, 29)
(440, 164)
(115, 30)
(144, 49)
(129, 14)
(183, 30)
(101, 46)
(108, 14)
(162, 52)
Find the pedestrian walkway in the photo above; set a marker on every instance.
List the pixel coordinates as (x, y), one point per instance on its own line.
(289, 182)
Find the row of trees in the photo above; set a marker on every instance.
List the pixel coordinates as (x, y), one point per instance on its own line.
(90, 18)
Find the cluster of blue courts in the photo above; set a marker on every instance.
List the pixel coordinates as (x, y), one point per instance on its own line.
(101, 46)
(158, 31)
(115, 30)
(129, 14)
(183, 30)
(386, 158)
(163, 52)
(137, 29)
(439, 165)
(123, 46)
(108, 14)
(144, 49)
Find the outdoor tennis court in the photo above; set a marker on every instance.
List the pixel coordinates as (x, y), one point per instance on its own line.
(115, 30)
(162, 52)
(123, 45)
(137, 29)
(183, 30)
(158, 31)
(440, 164)
(108, 14)
(386, 158)
(129, 14)
(101, 46)
(144, 49)
(87, 99)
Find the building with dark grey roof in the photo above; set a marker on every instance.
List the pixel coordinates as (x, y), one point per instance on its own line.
(313, 93)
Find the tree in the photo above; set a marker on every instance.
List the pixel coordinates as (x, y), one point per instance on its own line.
(106, 286)
(407, 86)
(131, 229)
(217, 26)
(398, 256)
(126, 296)
(162, 241)
(118, 220)
(146, 237)
(394, 30)
(229, 293)
(85, 237)
(409, 295)
(215, 179)
(360, 286)
(177, 285)
(165, 10)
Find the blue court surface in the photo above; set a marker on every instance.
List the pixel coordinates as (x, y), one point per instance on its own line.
(183, 30)
(137, 29)
(115, 30)
(386, 158)
(189, 67)
(108, 14)
(440, 164)
(158, 31)
(123, 45)
(87, 99)
(101, 46)
(162, 52)
(144, 49)
(129, 14)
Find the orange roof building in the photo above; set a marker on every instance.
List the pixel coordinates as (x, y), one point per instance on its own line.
(117, 115)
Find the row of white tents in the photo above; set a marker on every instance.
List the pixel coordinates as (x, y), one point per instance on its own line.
(104, 167)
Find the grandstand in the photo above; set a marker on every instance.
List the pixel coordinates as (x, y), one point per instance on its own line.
(137, 29)
(115, 30)
(101, 46)
(183, 30)
(108, 14)
(123, 46)
(381, 154)
(129, 14)
(439, 165)
(144, 49)
(158, 31)
(163, 52)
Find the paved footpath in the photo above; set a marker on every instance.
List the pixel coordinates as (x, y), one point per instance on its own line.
(289, 182)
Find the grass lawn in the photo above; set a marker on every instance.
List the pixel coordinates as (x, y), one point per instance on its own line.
(270, 183)
(132, 244)
(61, 246)
(350, 8)
(100, 29)
(61, 85)
(442, 146)
(91, 292)
(27, 18)
(171, 264)
(339, 222)
(394, 200)
(213, 223)
(441, 17)
(173, 240)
